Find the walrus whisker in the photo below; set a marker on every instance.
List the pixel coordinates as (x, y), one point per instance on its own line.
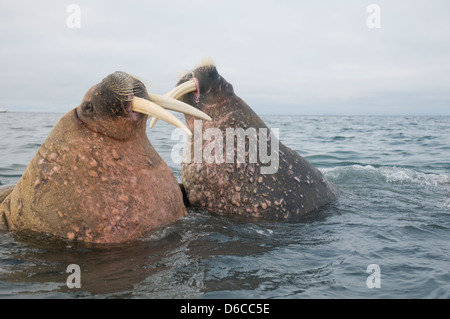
(147, 107)
(121, 83)
(124, 85)
(127, 92)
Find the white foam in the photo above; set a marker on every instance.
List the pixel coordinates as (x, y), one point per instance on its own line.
(264, 232)
(404, 175)
(391, 174)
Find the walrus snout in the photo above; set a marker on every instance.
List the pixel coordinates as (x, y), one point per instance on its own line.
(113, 96)
(124, 86)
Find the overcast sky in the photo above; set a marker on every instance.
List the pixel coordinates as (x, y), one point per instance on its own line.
(282, 57)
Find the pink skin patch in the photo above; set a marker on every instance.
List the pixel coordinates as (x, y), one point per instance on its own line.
(134, 116)
(196, 93)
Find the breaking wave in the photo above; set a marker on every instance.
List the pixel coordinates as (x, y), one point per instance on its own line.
(395, 175)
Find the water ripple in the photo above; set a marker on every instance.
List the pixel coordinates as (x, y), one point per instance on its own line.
(394, 177)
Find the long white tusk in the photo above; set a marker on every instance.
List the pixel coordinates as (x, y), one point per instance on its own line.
(180, 90)
(146, 107)
(177, 106)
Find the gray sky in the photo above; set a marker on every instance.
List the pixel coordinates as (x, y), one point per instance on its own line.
(282, 57)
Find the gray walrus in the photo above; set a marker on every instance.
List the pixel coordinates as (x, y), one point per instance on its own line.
(97, 177)
(219, 182)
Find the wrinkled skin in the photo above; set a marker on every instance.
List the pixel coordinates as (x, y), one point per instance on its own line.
(295, 190)
(96, 178)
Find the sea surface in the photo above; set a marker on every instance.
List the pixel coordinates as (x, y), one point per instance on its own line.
(394, 212)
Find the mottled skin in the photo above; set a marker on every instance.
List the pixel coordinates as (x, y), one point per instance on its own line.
(96, 178)
(296, 189)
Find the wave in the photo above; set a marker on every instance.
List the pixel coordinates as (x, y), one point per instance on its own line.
(447, 204)
(389, 174)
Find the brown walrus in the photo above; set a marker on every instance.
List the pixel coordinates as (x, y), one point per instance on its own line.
(288, 188)
(97, 178)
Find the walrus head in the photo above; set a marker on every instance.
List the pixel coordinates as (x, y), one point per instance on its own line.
(208, 91)
(205, 86)
(120, 105)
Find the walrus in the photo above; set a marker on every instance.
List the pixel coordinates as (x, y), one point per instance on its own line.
(97, 178)
(287, 190)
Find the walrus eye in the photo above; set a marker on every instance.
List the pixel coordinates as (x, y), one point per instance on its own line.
(87, 107)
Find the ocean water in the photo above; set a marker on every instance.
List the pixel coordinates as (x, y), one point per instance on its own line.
(394, 212)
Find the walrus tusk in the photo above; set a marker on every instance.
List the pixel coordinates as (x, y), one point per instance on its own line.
(153, 122)
(174, 105)
(182, 89)
(147, 107)
(169, 101)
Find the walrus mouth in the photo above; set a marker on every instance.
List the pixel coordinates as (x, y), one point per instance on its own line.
(159, 103)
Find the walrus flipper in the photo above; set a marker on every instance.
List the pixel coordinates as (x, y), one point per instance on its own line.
(4, 192)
